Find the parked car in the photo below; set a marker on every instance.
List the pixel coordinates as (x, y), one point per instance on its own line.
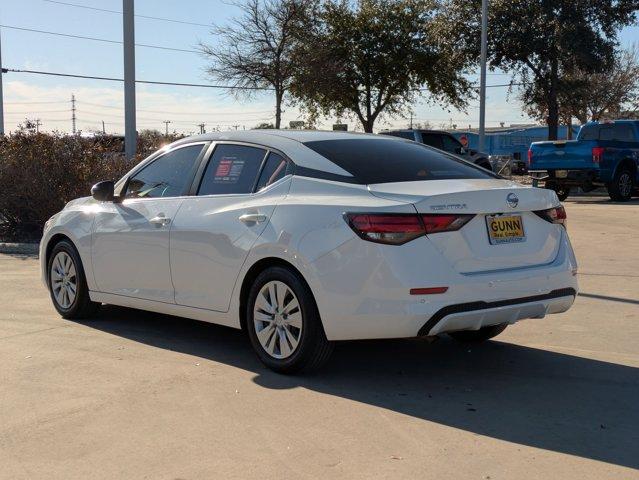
(303, 238)
(604, 154)
(443, 141)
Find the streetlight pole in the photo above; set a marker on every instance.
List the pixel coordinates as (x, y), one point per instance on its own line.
(128, 26)
(482, 77)
(1, 98)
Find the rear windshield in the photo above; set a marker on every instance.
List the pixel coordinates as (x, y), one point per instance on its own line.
(372, 160)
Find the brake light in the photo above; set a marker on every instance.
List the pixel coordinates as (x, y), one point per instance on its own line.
(554, 215)
(597, 154)
(530, 157)
(399, 228)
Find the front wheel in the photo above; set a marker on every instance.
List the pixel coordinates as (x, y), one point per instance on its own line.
(481, 335)
(622, 185)
(67, 283)
(283, 323)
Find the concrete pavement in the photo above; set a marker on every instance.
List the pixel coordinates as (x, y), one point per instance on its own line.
(140, 395)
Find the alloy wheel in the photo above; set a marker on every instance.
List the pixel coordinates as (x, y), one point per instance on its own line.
(625, 184)
(277, 319)
(64, 281)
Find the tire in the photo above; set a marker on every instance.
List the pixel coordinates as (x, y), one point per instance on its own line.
(622, 185)
(477, 336)
(292, 340)
(65, 275)
(562, 191)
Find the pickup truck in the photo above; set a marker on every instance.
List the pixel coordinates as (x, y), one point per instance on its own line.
(605, 154)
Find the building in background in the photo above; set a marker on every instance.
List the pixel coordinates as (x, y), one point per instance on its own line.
(512, 141)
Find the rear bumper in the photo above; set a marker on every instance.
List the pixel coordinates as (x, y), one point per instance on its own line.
(475, 315)
(573, 178)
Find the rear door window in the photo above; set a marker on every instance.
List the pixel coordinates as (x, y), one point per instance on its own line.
(433, 140)
(380, 160)
(623, 132)
(275, 168)
(451, 144)
(231, 169)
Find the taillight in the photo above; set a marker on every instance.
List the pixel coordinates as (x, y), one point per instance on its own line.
(553, 215)
(597, 154)
(399, 228)
(435, 223)
(530, 158)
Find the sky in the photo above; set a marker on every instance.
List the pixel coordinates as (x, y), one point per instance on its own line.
(49, 98)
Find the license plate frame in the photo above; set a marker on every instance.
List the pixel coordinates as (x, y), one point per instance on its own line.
(514, 232)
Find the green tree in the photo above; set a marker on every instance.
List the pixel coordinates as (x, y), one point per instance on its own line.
(254, 49)
(371, 57)
(594, 96)
(541, 41)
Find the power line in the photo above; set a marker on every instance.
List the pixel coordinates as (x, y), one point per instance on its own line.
(178, 84)
(150, 82)
(96, 39)
(163, 19)
(35, 103)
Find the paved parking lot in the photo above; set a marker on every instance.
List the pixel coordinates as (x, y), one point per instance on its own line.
(139, 395)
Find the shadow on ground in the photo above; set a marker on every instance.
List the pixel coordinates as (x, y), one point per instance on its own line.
(529, 396)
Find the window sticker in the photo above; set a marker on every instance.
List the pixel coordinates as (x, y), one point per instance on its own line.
(228, 170)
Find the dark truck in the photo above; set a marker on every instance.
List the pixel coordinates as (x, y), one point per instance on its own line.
(443, 141)
(605, 154)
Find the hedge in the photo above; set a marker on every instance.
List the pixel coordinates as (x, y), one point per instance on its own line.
(41, 172)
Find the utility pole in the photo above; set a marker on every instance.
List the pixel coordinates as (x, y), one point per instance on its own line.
(411, 121)
(37, 125)
(482, 77)
(1, 99)
(73, 113)
(236, 127)
(103, 130)
(201, 125)
(128, 27)
(166, 127)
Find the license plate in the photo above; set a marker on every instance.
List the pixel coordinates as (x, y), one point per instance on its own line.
(505, 229)
(561, 173)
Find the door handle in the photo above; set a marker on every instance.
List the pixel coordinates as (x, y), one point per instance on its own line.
(160, 220)
(253, 218)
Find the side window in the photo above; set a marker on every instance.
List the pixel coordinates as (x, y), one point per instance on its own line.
(432, 140)
(606, 133)
(167, 176)
(406, 135)
(624, 133)
(589, 132)
(451, 144)
(231, 169)
(274, 169)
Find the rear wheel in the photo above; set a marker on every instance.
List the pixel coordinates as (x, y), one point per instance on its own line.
(622, 185)
(283, 323)
(561, 190)
(67, 283)
(481, 335)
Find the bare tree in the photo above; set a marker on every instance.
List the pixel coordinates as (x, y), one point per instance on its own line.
(254, 49)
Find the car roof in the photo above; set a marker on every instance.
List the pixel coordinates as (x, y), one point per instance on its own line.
(423, 130)
(288, 142)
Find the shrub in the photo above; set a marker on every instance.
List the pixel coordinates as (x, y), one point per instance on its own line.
(40, 172)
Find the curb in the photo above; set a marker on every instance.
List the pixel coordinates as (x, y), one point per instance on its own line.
(19, 248)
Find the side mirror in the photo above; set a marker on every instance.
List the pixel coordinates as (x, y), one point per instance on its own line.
(103, 191)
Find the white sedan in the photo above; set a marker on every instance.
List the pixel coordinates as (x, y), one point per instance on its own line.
(302, 238)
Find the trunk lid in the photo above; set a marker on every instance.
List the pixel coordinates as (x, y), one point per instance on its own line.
(469, 250)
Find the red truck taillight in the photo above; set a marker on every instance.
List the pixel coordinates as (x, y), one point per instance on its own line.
(597, 154)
